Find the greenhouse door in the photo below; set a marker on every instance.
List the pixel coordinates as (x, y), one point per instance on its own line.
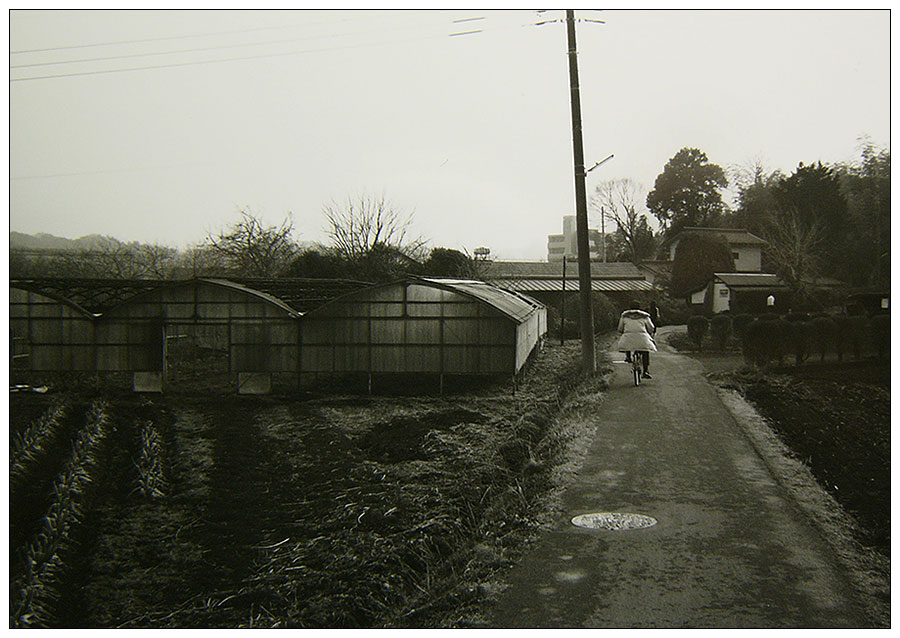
(197, 358)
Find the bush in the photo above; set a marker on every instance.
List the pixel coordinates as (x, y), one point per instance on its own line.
(765, 340)
(697, 257)
(851, 332)
(740, 323)
(880, 326)
(795, 317)
(672, 312)
(779, 339)
(697, 326)
(822, 334)
(606, 316)
(799, 336)
(721, 327)
(753, 342)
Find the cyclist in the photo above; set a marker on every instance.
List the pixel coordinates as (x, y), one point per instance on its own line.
(637, 335)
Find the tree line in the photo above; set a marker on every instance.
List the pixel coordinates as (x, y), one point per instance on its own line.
(819, 221)
(370, 240)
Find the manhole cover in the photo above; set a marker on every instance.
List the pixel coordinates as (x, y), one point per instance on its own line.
(613, 520)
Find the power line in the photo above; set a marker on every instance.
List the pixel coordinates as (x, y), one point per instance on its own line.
(198, 50)
(144, 40)
(187, 37)
(232, 59)
(202, 62)
(367, 18)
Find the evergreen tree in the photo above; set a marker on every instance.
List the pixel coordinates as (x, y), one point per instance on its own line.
(688, 192)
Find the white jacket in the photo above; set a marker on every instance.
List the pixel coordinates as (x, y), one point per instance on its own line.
(637, 329)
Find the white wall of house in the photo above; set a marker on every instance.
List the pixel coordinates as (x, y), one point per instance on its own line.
(747, 258)
(721, 297)
(698, 297)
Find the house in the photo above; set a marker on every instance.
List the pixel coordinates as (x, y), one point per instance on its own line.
(746, 248)
(743, 292)
(748, 292)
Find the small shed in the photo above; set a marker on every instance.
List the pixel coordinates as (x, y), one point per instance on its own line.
(423, 326)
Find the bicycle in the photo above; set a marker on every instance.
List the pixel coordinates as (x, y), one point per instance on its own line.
(637, 369)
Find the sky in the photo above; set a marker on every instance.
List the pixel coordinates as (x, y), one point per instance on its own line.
(160, 126)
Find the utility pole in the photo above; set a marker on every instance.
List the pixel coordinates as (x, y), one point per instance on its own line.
(588, 359)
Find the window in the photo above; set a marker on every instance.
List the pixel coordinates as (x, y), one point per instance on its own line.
(736, 255)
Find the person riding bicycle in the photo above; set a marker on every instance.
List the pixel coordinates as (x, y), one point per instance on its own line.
(637, 335)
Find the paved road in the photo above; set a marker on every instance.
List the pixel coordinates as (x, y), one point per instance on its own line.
(729, 550)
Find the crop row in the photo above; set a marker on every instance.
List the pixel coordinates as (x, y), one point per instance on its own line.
(151, 462)
(33, 593)
(30, 445)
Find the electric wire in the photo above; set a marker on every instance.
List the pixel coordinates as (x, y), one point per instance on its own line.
(200, 49)
(233, 59)
(368, 18)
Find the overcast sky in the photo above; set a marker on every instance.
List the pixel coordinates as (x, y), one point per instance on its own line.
(285, 111)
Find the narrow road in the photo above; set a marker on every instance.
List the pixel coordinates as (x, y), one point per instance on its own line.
(729, 549)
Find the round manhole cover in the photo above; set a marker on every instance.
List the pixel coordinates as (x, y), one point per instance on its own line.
(613, 520)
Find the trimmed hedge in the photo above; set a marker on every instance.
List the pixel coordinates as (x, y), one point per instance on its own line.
(771, 338)
(697, 327)
(721, 327)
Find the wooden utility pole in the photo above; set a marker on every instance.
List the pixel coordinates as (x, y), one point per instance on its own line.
(588, 359)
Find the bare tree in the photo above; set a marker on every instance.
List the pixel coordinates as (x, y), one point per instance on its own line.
(620, 200)
(201, 261)
(155, 261)
(365, 224)
(795, 250)
(253, 250)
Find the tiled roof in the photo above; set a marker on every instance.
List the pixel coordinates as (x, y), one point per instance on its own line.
(734, 236)
(535, 269)
(750, 280)
(546, 284)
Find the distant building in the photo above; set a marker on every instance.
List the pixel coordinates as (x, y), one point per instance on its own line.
(566, 244)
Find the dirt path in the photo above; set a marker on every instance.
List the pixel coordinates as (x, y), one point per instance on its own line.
(729, 549)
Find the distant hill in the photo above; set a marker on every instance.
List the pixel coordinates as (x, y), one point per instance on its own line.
(45, 241)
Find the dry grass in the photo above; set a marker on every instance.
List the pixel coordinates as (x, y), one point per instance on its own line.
(333, 511)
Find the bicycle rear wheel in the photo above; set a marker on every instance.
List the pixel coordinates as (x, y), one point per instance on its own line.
(636, 367)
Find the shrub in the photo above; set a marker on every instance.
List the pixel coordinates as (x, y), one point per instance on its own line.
(721, 327)
(880, 326)
(822, 334)
(606, 316)
(697, 327)
(798, 336)
(697, 257)
(778, 339)
(672, 312)
(765, 340)
(753, 342)
(851, 331)
(740, 323)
